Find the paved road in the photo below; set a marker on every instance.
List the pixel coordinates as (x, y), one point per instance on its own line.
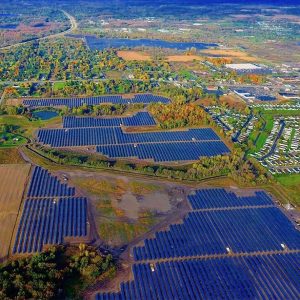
(73, 27)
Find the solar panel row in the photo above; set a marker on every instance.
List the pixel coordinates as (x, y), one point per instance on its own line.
(43, 184)
(49, 221)
(163, 152)
(254, 277)
(241, 230)
(139, 119)
(114, 135)
(220, 198)
(76, 102)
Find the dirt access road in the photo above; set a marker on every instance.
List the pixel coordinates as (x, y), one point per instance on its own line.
(73, 27)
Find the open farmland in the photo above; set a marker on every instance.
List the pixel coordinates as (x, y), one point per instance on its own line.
(236, 55)
(228, 245)
(13, 180)
(134, 55)
(184, 58)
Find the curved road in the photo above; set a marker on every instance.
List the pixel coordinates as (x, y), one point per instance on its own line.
(73, 27)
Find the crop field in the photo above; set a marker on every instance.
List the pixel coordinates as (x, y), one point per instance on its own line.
(184, 58)
(111, 140)
(76, 102)
(10, 156)
(230, 53)
(134, 55)
(51, 213)
(198, 258)
(12, 184)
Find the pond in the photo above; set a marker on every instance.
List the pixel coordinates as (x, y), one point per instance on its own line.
(96, 43)
(45, 114)
(8, 26)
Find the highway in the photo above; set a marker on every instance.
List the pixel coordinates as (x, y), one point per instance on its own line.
(72, 28)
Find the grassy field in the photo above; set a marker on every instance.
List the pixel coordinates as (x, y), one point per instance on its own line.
(264, 135)
(58, 86)
(8, 140)
(28, 127)
(12, 184)
(291, 183)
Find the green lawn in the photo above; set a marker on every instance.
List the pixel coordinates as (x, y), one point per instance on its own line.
(292, 184)
(8, 140)
(262, 136)
(58, 86)
(28, 127)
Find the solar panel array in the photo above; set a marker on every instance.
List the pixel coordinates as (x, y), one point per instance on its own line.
(139, 119)
(76, 102)
(42, 184)
(242, 230)
(160, 152)
(258, 250)
(110, 140)
(51, 213)
(255, 277)
(220, 198)
(49, 221)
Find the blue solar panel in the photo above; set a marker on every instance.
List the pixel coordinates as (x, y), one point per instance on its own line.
(114, 135)
(49, 221)
(139, 119)
(43, 184)
(165, 152)
(255, 277)
(220, 198)
(96, 100)
(212, 232)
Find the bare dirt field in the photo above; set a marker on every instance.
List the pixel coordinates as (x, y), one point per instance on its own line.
(125, 207)
(13, 180)
(230, 53)
(134, 55)
(184, 58)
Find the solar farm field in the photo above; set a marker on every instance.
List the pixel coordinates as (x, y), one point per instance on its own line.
(51, 214)
(110, 139)
(12, 184)
(96, 100)
(228, 247)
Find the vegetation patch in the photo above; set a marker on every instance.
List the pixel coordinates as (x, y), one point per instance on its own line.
(291, 182)
(57, 273)
(10, 156)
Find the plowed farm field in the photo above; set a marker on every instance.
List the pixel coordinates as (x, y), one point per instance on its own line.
(13, 180)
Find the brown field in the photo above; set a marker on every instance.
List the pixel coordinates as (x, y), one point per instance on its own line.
(231, 53)
(13, 179)
(231, 100)
(134, 55)
(10, 156)
(184, 58)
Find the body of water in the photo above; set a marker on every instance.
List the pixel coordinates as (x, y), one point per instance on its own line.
(8, 26)
(96, 43)
(45, 114)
